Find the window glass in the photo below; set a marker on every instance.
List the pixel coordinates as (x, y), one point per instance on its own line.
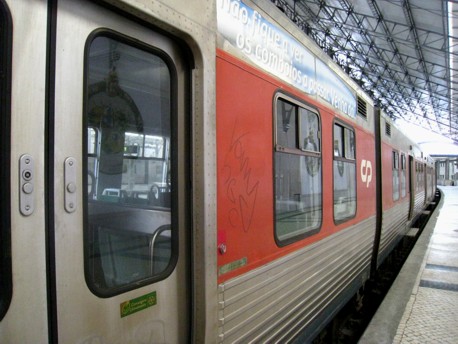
(128, 234)
(349, 144)
(421, 184)
(310, 133)
(5, 155)
(154, 147)
(144, 146)
(403, 176)
(286, 125)
(298, 208)
(344, 169)
(338, 141)
(92, 141)
(418, 177)
(395, 176)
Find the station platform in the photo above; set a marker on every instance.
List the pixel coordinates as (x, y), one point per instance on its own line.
(422, 304)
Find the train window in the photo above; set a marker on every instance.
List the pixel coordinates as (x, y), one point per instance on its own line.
(298, 208)
(344, 173)
(422, 176)
(309, 131)
(403, 176)
(129, 217)
(419, 177)
(5, 115)
(395, 175)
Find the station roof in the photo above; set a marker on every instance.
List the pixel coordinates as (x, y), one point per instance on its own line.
(403, 53)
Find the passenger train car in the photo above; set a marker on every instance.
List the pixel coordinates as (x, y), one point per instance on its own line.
(177, 171)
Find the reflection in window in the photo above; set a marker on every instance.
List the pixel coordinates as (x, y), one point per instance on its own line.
(310, 132)
(297, 172)
(145, 146)
(128, 236)
(344, 173)
(92, 141)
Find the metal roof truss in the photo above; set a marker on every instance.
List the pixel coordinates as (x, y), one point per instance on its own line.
(399, 51)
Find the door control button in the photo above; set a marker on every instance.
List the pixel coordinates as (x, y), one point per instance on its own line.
(26, 185)
(27, 188)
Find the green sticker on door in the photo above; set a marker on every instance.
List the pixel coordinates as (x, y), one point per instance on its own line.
(138, 304)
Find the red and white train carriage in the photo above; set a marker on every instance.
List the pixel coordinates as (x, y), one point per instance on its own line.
(179, 173)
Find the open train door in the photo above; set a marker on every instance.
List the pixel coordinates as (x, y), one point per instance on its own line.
(119, 239)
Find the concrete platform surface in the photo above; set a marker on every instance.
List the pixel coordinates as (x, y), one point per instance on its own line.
(422, 304)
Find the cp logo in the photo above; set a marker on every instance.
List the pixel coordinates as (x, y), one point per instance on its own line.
(366, 172)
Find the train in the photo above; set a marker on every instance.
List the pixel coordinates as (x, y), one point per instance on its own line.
(188, 172)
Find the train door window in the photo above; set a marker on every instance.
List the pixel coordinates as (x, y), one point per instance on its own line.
(5, 115)
(297, 154)
(344, 172)
(403, 175)
(429, 184)
(418, 176)
(423, 177)
(395, 170)
(129, 236)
